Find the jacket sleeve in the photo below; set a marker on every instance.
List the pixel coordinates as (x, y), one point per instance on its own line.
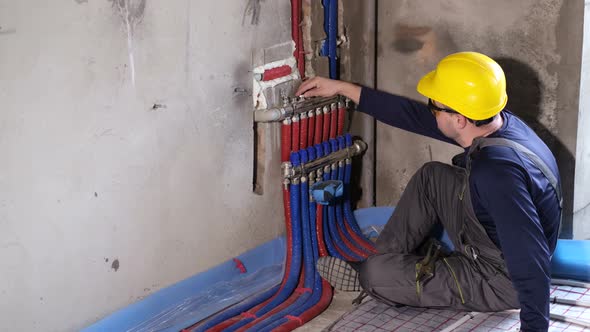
(503, 191)
(401, 112)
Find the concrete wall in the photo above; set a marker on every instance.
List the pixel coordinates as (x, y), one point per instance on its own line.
(538, 43)
(126, 143)
(582, 179)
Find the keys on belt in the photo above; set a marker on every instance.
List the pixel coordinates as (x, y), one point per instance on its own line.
(425, 267)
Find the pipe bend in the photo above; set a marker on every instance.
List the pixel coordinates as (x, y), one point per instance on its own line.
(268, 115)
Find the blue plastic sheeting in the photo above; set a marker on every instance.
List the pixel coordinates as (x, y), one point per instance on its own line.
(571, 260)
(190, 301)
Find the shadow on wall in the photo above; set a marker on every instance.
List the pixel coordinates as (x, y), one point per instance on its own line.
(524, 99)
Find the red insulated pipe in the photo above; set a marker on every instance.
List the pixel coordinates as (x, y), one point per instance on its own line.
(286, 140)
(289, 301)
(311, 127)
(287, 207)
(367, 245)
(297, 36)
(344, 254)
(303, 125)
(327, 292)
(333, 121)
(319, 121)
(295, 132)
(311, 313)
(350, 245)
(341, 116)
(277, 72)
(319, 229)
(326, 129)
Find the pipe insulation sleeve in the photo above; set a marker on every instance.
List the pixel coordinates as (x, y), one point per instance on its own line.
(326, 128)
(343, 231)
(333, 121)
(308, 265)
(252, 310)
(341, 118)
(311, 127)
(303, 127)
(319, 122)
(295, 131)
(285, 139)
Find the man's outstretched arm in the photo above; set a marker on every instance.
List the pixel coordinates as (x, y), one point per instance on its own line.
(391, 109)
(325, 87)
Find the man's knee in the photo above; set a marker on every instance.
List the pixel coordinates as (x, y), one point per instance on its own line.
(387, 270)
(367, 273)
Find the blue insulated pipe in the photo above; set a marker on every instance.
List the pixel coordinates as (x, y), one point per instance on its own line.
(238, 309)
(332, 214)
(340, 206)
(308, 258)
(347, 208)
(317, 286)
(293, 278)
(331, 27)
(330, 245)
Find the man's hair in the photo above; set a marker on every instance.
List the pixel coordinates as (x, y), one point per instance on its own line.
(479, 123)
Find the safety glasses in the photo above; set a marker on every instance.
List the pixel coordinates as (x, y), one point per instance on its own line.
(433, 108)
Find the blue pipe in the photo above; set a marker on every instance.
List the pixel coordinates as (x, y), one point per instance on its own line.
(329, 48)
(312, 215)
(236, 310)
(293, 277)
(317, 287)
(333, 228)
(347, 208)
(309, 263)
(325, 223)
(344, 175)
(332, 214)
(340, 207)
(315, 298)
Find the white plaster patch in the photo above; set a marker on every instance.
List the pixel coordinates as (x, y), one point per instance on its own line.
(258, 95)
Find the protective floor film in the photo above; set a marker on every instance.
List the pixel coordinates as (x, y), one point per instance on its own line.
(372, 316)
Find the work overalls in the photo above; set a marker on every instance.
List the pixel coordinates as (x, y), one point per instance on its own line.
(474, 277)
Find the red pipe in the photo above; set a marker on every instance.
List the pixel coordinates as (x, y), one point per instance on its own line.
(285, 140)
(360, 240)
(303, 124)
(327, 292)
(287, 208)
(326, 129)
(350, 245)
(319, 121)
(320, 231)
(297, 36)
(344, 254)
(294, 296)
(333, 121)
(295, 131)
(277, 72)
(312, 312)
(341, 116)
(311, 127)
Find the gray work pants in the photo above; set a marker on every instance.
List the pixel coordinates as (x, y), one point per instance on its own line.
(473, 278)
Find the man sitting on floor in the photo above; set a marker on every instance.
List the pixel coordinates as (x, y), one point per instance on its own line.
(500, 201)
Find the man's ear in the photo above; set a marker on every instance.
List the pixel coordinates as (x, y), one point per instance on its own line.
(461, 121)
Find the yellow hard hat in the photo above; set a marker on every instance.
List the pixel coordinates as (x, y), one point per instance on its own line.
(470, 83)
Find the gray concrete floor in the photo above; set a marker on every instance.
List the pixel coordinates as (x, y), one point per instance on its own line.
(341, 304)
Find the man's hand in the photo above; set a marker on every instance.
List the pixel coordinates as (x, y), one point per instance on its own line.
(325, 87)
